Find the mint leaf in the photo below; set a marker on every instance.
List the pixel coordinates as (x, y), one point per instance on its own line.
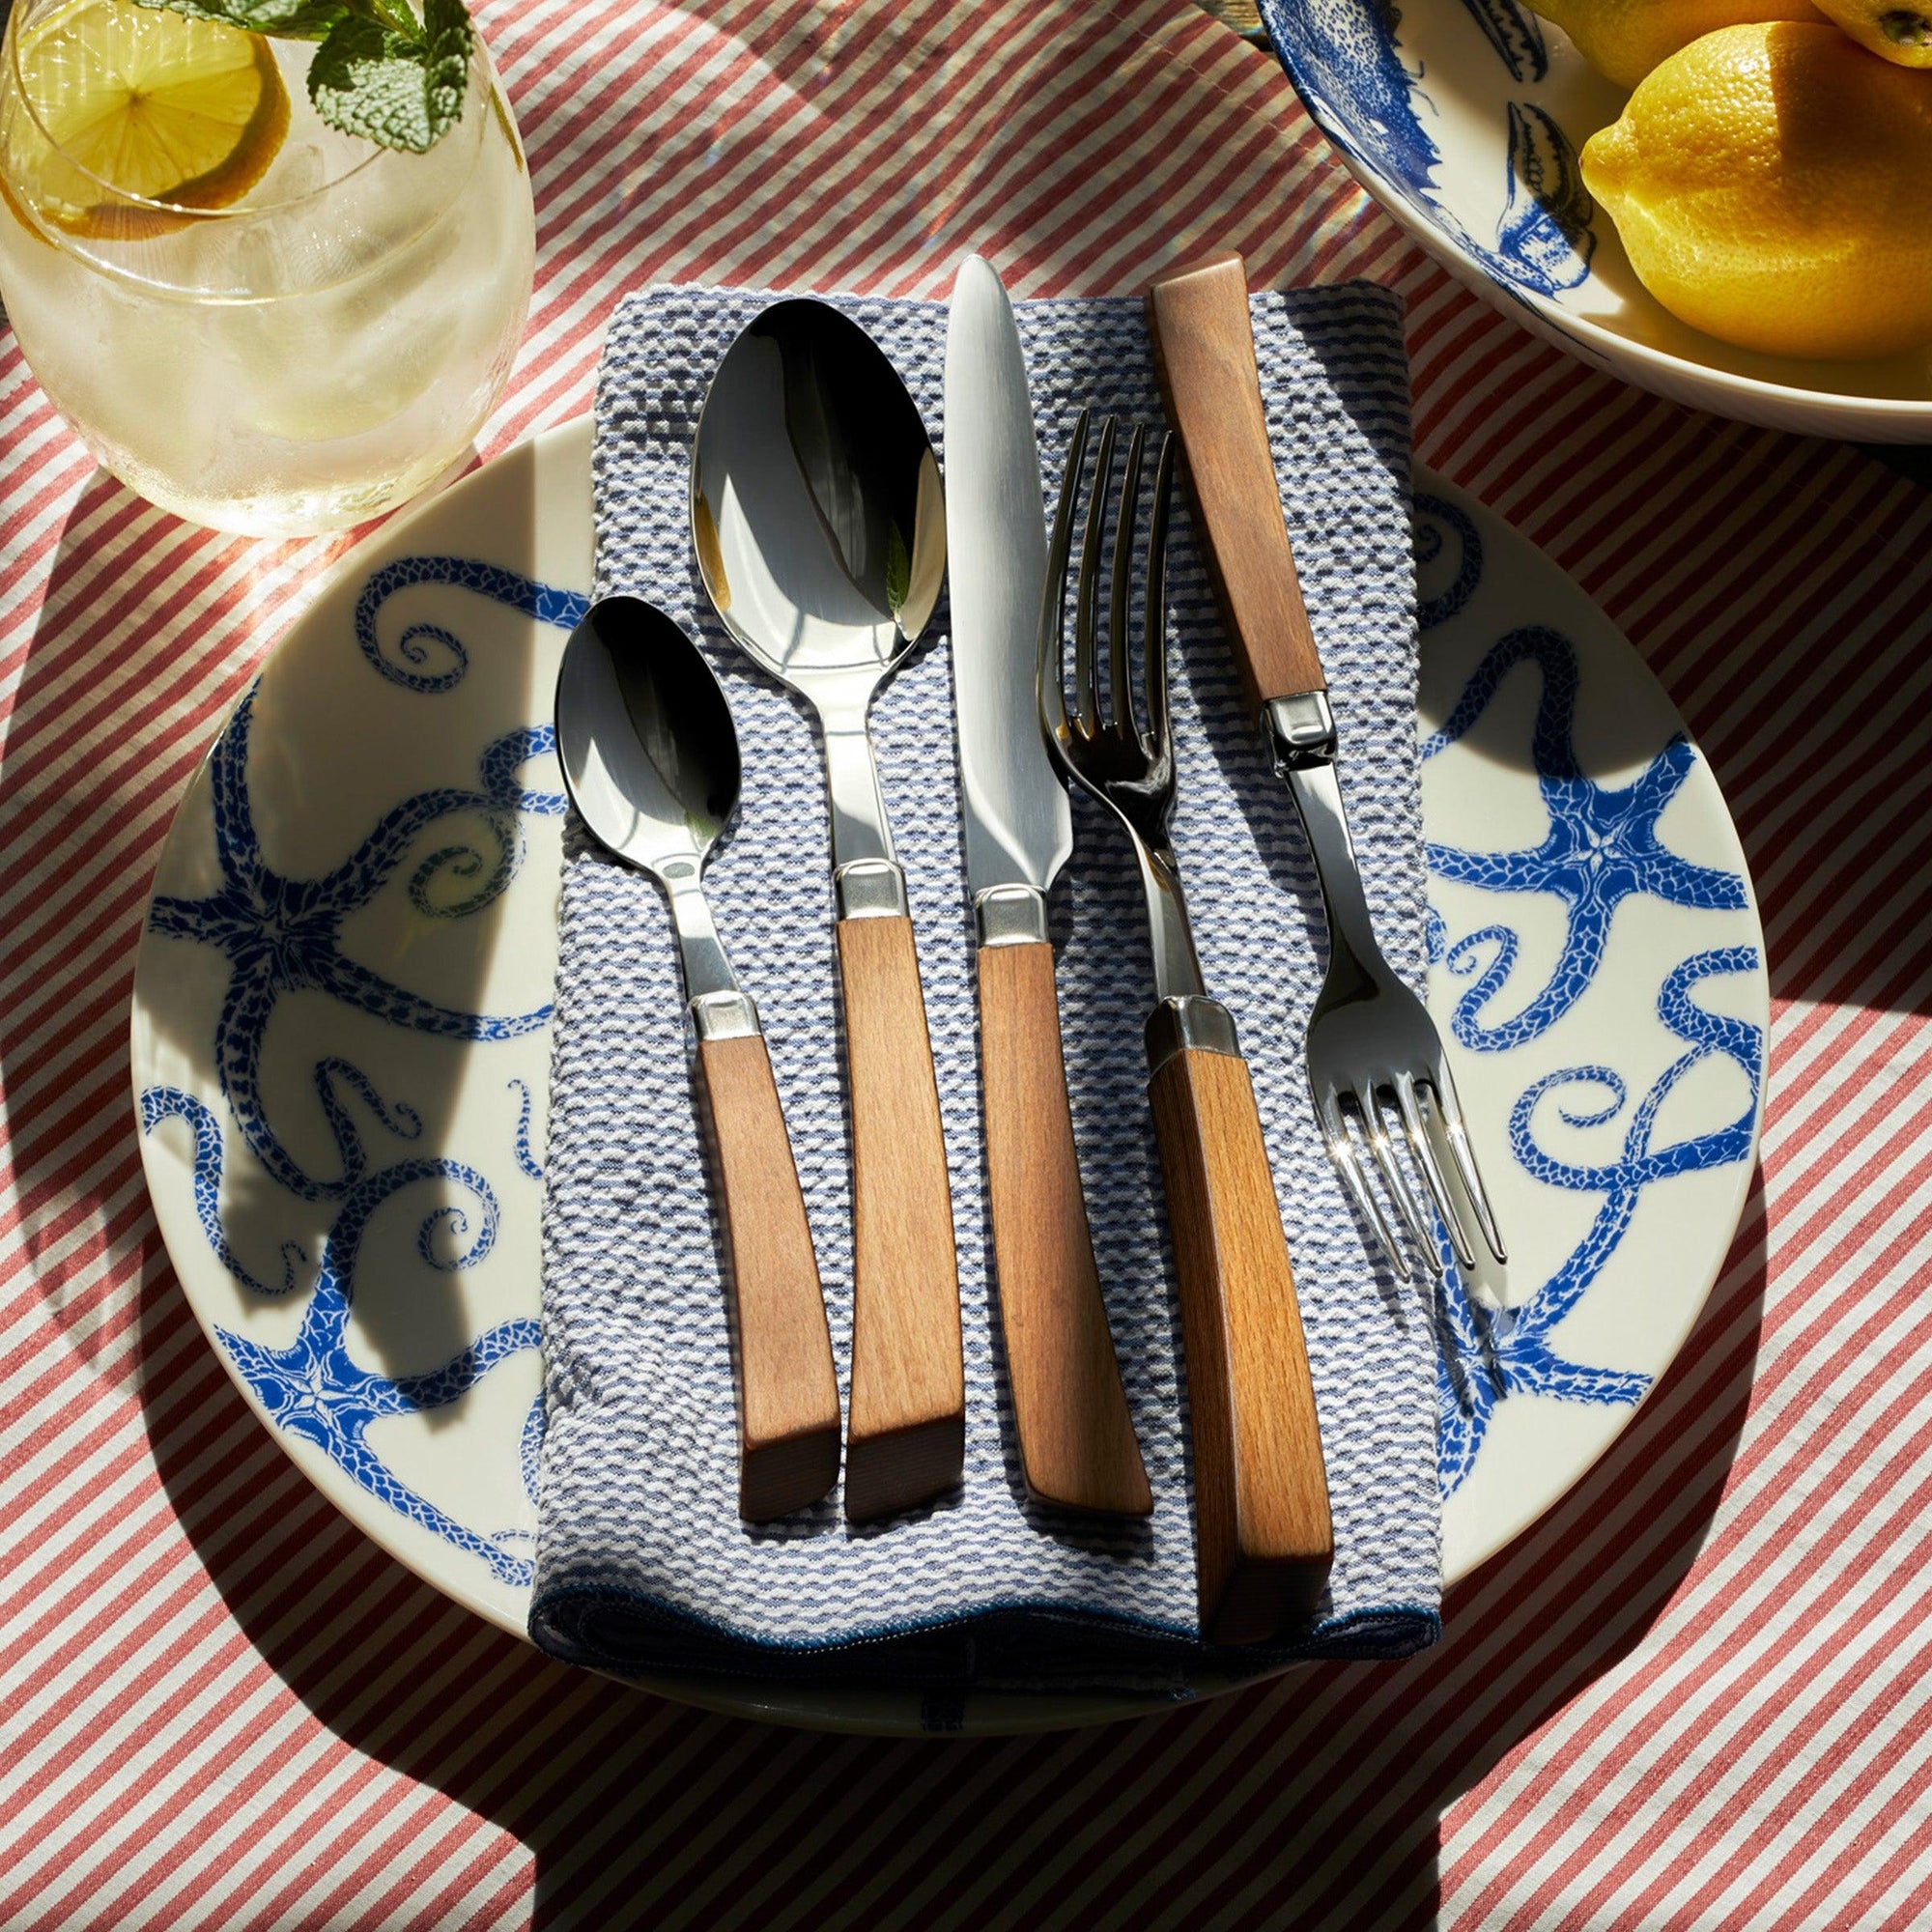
(449, 41)
(394, 15)
(401, 91)
(283, 19)
(380, 71)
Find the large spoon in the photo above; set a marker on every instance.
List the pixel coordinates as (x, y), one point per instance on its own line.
(651, 761)
(820, 531)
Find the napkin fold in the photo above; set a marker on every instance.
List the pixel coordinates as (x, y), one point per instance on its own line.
(644, 1566)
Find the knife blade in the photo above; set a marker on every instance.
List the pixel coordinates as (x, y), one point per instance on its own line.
(1077, 1443)
(1020, 830)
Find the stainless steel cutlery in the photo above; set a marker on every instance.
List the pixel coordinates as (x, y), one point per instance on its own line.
(650, 759)
(822, 536)
(1264, 1542)
(1374, 1059)
(819, 526)
(1077, 1440)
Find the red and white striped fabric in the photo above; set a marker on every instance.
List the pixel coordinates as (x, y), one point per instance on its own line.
(1699, 1695)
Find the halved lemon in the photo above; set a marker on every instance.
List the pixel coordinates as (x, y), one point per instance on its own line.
(188, 114)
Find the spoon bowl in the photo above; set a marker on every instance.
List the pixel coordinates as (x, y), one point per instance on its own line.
(815, 503)
(649, 753)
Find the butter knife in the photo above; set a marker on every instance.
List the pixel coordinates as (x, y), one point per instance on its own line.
(1076, 1439)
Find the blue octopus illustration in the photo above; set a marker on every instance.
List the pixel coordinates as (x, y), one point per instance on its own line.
(1601, 846)
(1486, 1358)
(313, 1388)
(281, 934)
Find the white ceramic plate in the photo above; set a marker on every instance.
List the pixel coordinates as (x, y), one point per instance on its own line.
(1464, 118)
(340, 1040)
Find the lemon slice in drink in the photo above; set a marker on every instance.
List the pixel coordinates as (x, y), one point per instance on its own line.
(186, 113)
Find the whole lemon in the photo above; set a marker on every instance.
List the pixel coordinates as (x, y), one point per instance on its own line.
(1623, 40)
(1901, 34)
(1769, 184)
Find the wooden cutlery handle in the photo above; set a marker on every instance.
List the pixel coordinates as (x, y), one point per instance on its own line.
(787, 1388)
(1262, 1537)
(906, 1440)
(1204, 349)
(1077, 1442)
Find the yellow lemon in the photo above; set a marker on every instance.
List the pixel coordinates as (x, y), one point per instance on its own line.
(159, 107)
(1769, 186)
(1623, 40)
(1901, 34)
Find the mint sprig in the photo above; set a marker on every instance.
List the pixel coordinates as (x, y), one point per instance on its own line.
(379, 73)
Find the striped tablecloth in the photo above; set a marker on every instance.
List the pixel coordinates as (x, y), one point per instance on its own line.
(1700, 1693)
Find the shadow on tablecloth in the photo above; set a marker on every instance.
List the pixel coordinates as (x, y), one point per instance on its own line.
(1314, 1799)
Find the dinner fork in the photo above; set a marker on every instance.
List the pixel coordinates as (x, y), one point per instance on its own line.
(1264, 1541)
(1376, 1061)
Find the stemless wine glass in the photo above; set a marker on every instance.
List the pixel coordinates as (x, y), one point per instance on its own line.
(309, 353)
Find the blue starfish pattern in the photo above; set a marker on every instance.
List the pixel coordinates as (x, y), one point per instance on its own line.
(1602, 846)
(281, 934)
(1486, 1358)
(314, 1388)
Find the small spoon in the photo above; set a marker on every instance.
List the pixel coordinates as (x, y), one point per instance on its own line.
(650, 759)
(820, 533)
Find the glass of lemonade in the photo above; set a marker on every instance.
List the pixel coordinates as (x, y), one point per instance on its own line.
(252, 319)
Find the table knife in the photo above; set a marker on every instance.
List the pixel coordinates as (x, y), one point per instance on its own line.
(1077, 1442)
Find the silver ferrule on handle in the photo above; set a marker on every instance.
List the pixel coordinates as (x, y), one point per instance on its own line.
(1009, 916)
(1299, 732)
(1195, 1024)
(719, 1010)
(869, 889)
(725, 1016)
(1353, 952)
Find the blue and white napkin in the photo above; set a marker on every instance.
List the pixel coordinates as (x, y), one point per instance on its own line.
(643, 1563)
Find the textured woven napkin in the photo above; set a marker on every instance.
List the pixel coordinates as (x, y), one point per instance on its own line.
(643, 1563)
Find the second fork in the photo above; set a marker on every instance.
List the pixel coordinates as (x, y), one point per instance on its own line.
(1263, 1540)
(1374, 1057)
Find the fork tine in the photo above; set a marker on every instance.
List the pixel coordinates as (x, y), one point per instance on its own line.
(1120, 698)
(1051, 672)
(1154, 617)
(1401, 1191)
(1444, 1086)
(1087, 597)
(1419, 1145)
(1349, 1165)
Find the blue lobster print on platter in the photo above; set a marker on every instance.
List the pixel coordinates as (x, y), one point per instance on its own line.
(1600, 848)
(1373, 97)
(282, 935)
